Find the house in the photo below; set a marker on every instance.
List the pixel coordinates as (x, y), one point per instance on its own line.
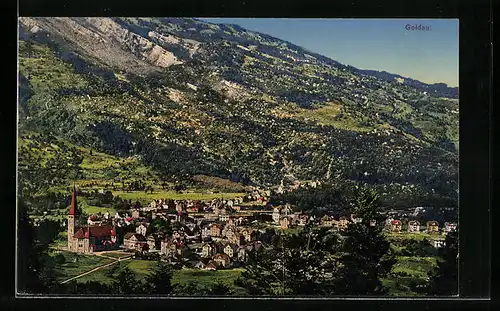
(302, 220)
(227, 230)
(142, 229)
(342, 223)
(151, 242)
(355, 219)
(396, 225)
(237, 238)
(200, 265)
(242, 253)
(388, 222)
(285, 222)
(230, 249)
(211, 265)
(248, 234)
(223, 217)
(231, 223)
(276, 215)
(169, 249)
(206, 232)
(215, 230)
(135, 213)
(134, 241)
(286, 210)
(448, 227)
(208, 250)
(413, 226)
(432, 227)
(326, 221)
(373, 223)
(222, 260)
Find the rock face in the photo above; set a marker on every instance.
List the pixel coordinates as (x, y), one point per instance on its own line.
(98, 38)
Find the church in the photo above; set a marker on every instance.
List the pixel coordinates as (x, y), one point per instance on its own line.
(87, 238)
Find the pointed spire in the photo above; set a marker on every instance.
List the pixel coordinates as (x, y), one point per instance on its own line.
(74, 204)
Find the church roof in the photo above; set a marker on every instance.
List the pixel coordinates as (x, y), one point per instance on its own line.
(94, 231)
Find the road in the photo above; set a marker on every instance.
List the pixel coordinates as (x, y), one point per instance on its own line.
(116, 260)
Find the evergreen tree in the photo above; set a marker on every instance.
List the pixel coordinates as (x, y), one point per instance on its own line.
(365, 256)
(444, 278)
(126, 283)
(159, 281)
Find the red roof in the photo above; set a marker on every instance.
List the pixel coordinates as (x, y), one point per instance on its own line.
(396, 222)
(74, 204)
(95, 231)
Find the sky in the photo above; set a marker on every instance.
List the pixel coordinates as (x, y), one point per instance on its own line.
(429, 56)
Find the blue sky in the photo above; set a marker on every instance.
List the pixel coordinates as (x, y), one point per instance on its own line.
(380, 44)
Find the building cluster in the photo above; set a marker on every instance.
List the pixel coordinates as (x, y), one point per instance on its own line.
(414, 226)
(209, 235)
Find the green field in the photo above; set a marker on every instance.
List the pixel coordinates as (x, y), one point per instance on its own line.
(141, 196)
(207, 277)
(84, 263)
(139, 267)
(118, 254)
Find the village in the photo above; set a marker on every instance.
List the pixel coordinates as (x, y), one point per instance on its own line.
(211, 235)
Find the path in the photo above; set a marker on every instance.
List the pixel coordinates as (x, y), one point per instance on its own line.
(98, 268)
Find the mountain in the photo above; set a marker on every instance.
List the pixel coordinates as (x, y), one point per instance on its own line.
(436, 89)
(189, 98)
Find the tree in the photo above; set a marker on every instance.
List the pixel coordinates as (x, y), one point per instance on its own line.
(159, 280)
(220, 289)
(300, 264)
(126, 283)
(365, 254)
(36, 273)
(444, 278)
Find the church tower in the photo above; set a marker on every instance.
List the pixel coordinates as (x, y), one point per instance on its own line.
(72, 219)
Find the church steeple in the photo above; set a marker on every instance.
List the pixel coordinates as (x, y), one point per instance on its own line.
(74, 204)
(72, 220)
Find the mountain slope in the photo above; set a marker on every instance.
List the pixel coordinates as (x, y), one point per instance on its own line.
(192, 98)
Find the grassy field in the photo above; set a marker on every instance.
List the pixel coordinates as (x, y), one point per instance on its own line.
(148, 197)
(139, 267)
(206, 278)
(118, 254)
(84, 263)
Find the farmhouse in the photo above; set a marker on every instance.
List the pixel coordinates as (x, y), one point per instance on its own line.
(432, 227)
(413, 226)
(134, 241)
(222, 260)
(396, 225)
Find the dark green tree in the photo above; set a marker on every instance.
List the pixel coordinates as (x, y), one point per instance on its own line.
(220, 289)
(300, 264)
(159, 281)
(444, 278)
(36, 273)
(365, 255)
(126, 282)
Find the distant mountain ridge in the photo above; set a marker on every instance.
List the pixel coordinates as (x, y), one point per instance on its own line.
(438, 89)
